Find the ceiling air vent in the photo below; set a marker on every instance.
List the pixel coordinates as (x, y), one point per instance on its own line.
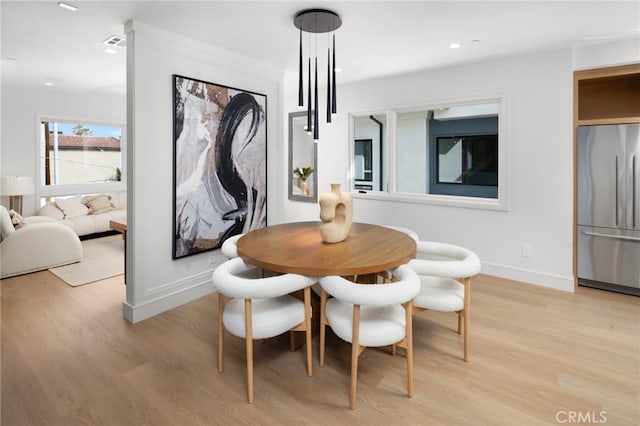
(116, 41)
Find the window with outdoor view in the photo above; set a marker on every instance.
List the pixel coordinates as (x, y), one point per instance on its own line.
(77, 153)
(467, 160)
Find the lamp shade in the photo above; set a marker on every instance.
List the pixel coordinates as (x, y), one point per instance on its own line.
(16, 185)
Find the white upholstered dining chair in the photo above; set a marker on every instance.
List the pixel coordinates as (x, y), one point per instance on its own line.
(370, 315)
(229, 247)
(445, 272)
(260, 308)
(409, 232)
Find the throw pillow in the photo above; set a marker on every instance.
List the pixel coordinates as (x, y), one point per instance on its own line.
(72, 207)
(17, 219)
(51, 210)
(6, 226)
(99, 204)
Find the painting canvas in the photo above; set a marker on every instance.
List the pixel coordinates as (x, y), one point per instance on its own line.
(220, 164)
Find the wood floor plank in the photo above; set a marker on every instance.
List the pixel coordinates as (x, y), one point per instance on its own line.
(69, 358)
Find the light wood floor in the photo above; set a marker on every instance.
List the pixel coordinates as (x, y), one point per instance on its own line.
(69, 358)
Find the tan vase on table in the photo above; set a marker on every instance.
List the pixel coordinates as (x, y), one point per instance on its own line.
(336, 213)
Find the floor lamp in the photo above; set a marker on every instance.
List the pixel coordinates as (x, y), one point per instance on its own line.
(15, 187)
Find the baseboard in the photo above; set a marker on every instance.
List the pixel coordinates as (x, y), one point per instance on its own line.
(201, 287)
(557, 282)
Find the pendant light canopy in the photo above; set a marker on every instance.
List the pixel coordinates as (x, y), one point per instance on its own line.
(314, 22)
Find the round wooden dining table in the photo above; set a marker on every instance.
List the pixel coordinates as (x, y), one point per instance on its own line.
(298, 248)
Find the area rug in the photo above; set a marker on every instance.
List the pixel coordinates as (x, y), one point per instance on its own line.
(101, 258)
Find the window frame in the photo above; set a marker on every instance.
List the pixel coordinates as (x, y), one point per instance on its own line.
(46, 191)
(390, 150)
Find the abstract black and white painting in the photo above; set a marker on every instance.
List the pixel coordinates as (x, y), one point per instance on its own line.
(220, 164)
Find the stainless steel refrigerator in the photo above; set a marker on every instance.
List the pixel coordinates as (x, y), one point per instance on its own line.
(609, 207)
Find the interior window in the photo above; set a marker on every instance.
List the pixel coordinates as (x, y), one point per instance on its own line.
(453, 150)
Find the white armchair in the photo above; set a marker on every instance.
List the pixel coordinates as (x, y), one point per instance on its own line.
(259, 308)
(41, 244)
(370, 315)
(445, 272)
(229, 247)
(407, 231)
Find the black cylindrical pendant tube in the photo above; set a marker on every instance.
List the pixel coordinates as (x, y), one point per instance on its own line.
(300, 89)
(309, 99)
(334, 104)
(328, 85)
(316, 131)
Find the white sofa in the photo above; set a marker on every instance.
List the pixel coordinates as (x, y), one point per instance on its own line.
(42, 243)
(88, 214)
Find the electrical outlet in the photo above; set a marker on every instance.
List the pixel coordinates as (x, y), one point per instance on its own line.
(212, 260)
(525, 250)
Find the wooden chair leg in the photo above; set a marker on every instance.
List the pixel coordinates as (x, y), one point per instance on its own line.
(466, 314)
(292, 341)
(323, 322)
(459, 322)
(409, 346)
(307, 332)
(220, 333)
(249, 342)
(355, 351)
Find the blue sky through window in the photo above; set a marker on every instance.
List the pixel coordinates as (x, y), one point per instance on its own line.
(67, 129)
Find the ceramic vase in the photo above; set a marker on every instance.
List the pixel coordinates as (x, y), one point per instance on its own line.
(304, 187)
(336, 214)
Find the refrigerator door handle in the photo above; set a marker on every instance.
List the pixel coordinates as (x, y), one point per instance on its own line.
(617, 195)
(615, 237)
(633, 189)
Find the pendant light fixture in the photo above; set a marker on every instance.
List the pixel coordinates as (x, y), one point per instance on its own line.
(314, 22)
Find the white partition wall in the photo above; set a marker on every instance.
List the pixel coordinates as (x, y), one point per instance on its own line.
(155, 282)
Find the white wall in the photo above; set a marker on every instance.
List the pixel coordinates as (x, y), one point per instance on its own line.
(620, 52)
(21, 111)
(155, 282)
(538, 90)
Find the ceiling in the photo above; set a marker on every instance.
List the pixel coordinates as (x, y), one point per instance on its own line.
(41, 42)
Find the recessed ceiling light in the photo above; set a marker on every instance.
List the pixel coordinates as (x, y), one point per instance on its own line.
(67, 6)
(110, 50)
(48, 83)
(454, 45)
